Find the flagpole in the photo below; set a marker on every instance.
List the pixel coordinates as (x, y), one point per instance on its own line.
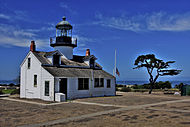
(115, 64)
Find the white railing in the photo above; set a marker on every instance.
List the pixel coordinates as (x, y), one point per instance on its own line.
(74, 41)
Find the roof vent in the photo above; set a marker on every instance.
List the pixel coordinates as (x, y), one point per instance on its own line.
(64, 18)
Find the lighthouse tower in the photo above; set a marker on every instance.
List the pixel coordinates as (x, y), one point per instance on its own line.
(64, 41)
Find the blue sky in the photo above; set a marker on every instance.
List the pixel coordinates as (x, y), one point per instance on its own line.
(132, 27)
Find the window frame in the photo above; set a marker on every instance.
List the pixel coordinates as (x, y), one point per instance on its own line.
(35, 80)
(98, 82)
(29, 63)
(83, 83)
(46, 91)
(92, 63)
(108, 83)
(56, 60)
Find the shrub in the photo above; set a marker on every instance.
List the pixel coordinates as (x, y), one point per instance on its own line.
(146, 86)
(166, 84)
(188, 92)
(159, 85)
(140, 90)
(138, 86)
(119, 85)
(179, 86)
(117, 89)
(1, 92)
(15, 91)
(11, 84)
(125, 89)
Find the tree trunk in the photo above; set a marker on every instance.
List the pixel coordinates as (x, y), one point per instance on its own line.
(150, 91)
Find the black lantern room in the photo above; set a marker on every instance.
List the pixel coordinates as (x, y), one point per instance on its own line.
(64, 35)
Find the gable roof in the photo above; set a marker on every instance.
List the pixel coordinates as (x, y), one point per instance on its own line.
(76, 61)
(49, 53)
(72, 63)
(41, 57)
(89, 57)
(70, 68)
(77, 72)
(81, 59)
(77, 58)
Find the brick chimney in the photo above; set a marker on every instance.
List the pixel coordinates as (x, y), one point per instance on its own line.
(87, 52)
(32, 46)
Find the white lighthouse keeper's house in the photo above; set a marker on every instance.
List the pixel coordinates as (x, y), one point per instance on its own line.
(59, 75)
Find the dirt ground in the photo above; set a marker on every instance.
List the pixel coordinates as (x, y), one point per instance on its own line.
(18, 113)
(131, 98)
(134, 118)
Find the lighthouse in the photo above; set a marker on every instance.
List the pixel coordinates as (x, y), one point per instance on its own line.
(64, 41)
(59, 75)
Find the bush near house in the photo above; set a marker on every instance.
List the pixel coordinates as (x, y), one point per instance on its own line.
(125, 89)
(11, 91)
(11, 84)
(15, 91)
(119, 85)
(1, 92)
(140, 90)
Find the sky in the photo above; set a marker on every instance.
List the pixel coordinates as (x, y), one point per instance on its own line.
(131, 27)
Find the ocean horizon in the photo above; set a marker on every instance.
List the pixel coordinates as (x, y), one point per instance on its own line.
(7, 82)
(146, 82)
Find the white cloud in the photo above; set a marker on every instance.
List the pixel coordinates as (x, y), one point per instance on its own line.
(67, 8)
(15, 15)
(3, 16)
(64, 5)
(157, 21)
(122, 23)
(84, 39)
(13, 36)
(20, 15)
(14, 31)
(83, 42)
(165, 22)
(13, 41)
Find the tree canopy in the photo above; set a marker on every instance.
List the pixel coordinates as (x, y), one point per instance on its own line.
(151, 63)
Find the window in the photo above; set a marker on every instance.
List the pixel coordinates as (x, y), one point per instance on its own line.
(29, 60)
(35, 80)
(56, 60)
(83, 83)
(92, 63)
(99, 82)
(108, 83)
(46, 88)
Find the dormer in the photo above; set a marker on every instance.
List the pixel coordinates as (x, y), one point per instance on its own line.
(56, 60)
(90, 59)
(54, 57)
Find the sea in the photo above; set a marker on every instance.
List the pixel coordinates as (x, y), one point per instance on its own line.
(146, 82)
(7, 82)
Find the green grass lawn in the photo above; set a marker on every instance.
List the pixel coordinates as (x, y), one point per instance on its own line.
(124, 89)
(8, 91)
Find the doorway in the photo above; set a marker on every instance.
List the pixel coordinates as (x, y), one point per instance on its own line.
(63, 86)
